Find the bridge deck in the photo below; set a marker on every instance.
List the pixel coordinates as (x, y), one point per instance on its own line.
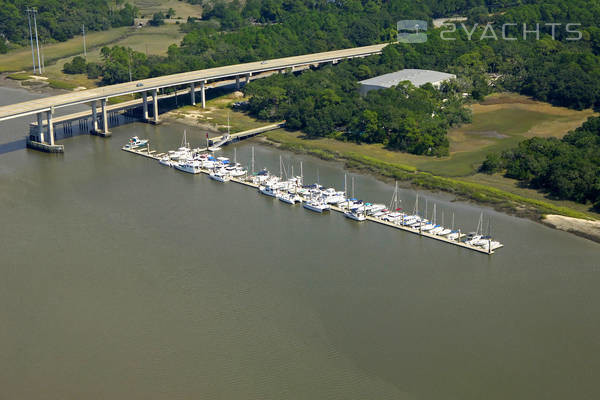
(85, 96)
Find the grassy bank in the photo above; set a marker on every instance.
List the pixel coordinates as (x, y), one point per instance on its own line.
(358, 160)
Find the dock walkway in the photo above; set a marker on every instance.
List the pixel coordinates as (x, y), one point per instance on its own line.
(147, 153)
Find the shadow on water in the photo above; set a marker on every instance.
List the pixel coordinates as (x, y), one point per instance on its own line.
(12, 146)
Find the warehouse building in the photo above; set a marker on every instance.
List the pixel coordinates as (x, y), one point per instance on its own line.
(417, 77)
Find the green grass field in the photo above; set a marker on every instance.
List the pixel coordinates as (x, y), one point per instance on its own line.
(182, 9)
(20, 59)
(500, 122)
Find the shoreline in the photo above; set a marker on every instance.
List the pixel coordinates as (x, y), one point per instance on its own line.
(515, 205)
(557, 217)
(41, 88)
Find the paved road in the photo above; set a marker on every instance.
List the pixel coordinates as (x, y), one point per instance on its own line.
(69, 99)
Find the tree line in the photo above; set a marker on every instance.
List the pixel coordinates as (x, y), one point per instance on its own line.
(557, 70)
(60, 20)
(567, 168)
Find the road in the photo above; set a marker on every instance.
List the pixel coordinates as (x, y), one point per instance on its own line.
(85, 96)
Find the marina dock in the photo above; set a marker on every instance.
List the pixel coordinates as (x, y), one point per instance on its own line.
(152, 154)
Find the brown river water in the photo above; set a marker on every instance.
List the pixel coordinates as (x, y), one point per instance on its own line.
(124, 279)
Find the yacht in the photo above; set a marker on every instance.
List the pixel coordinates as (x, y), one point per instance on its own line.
(220, 176)
(290, 198)
(268, 190)
(135, 142)
(356, 214)
(316, 206)
(189, 166)
(166, 160)
(444, 232)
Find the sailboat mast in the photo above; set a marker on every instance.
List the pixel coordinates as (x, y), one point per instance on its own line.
(280, 168)
(353, 187)
(235, 155)
(345, 186)
(301, 174)
(252, 160)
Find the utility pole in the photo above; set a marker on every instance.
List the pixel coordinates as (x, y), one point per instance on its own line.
(84, 48)
(31, 38)
(37, 43)
(130, 76)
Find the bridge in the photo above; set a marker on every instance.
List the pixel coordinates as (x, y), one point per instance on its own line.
(43, 136)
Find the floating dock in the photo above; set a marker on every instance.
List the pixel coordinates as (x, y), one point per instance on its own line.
(146, 152)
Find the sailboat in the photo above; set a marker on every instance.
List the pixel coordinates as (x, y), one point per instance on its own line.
(396, 212)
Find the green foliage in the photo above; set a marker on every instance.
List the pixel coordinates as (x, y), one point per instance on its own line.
(157, 19)
(568, 168)
(326, 102)
(76, 66)
(61, 20)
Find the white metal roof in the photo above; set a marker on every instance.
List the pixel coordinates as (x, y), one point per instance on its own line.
(417, 77)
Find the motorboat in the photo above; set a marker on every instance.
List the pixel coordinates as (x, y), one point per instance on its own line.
(220, 176)
(165, 160)
(444, 232)
(135, 142)
(268, 190)
(190, 166)
(290, 198)
(316, 206)
(355, 215)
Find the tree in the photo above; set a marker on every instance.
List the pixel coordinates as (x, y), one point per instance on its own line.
(157, 19)
(76, 66)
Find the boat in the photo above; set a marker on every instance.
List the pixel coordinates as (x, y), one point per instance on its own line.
(268, 190)
(290, 198)
(219, 176)
(356, 214)
(135, 142)
(189, 166)
(316, 206)
(166, 160)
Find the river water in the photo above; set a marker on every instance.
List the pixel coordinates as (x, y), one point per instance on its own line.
(124, 279)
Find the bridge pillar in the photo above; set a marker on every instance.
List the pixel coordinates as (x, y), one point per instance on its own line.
(145, 105)
(37, 142)
(40, 127)
(155, 106)
(248, 75)
(203, 90)
(50, 127)
(105, 131)
(237, 82)
(94, 118)
(193, 94)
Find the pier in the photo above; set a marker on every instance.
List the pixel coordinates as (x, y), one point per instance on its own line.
(154, 155)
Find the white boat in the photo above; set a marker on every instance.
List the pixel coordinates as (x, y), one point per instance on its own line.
(290, 198)
(135, 142)
(436, 230)
(355, 215)
(444, 232)
(190, 166)
(453, 235)
(268, 190)
(220, 176)
(331, 196)
(166, 160)
(236, 170)
(316, 206)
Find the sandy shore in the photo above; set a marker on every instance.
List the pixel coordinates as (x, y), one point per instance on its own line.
(580, 227)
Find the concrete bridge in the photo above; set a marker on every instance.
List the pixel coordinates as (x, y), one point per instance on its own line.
(42, 136)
